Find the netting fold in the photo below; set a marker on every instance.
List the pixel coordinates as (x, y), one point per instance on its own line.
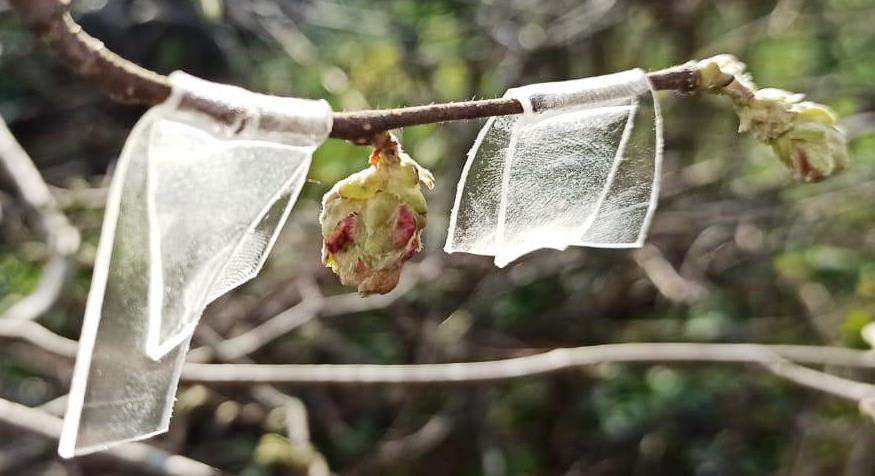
(193, 210)
(579, 167)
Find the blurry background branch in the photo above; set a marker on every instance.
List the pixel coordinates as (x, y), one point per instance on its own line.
(129, 83)
(779, 359)
(135, 458)
(62, 239)
(307, 310)
(771, 356)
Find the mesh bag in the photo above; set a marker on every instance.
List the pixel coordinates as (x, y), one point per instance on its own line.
(194, 207)
(580, 166)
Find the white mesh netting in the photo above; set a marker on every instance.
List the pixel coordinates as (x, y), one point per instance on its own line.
(579, 167)
(193, 209)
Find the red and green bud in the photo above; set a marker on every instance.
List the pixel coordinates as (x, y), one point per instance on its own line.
(373, 219)
(814, 147)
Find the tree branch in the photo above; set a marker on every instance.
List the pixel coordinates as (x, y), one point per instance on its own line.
(62, 239)
(129, 83)
(773, 356)
(307, 310)
(536, 364)
(36, 334)
(137, 457)
(781, 360)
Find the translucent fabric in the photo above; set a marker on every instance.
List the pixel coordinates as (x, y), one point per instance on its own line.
(193, 209)
(579, 167)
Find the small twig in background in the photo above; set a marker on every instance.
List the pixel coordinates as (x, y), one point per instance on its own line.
(308, 309)
(39, 336)
(409, 447)
(137, 456)
(62, 239)
(781, 360)
(666, 278)
(775, 358)
(297, 427)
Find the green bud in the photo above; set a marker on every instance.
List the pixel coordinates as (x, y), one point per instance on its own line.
(803, 134)
(814, 147)
(373, 219)
(769, 114)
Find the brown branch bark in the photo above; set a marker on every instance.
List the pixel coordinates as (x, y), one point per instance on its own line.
(129, 83)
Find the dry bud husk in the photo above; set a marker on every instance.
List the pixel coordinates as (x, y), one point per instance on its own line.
(373, 219)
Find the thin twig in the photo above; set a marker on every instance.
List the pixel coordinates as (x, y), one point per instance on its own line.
(537, 364)
(137, 456)
(775, 357)
(307, 310)
(129, 83)
(666, 278)
(297, 426)
(841, 387)
(36, 334)
(20, 168)
(61, 237)
(409, 447)
(781, 360)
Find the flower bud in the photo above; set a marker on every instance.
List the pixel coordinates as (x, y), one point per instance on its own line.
(768, 114)
(814, 147)
(372, 220)
(803, 134)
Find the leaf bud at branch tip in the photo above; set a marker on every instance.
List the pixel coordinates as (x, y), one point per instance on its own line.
(803, 134)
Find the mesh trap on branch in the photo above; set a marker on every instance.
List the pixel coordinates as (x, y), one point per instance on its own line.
(579, 167)
(193, 210)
